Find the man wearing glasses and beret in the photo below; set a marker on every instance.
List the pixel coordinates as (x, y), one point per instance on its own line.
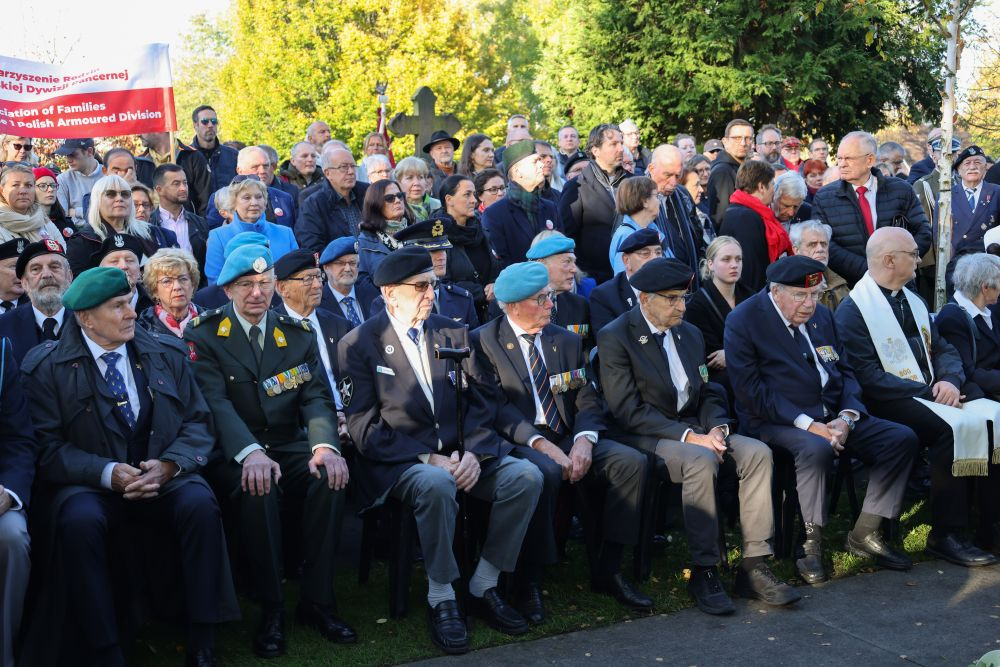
(276, 425)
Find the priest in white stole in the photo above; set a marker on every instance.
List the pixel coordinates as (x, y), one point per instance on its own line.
(909, 374)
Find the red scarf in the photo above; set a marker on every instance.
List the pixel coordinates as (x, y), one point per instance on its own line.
(777, 238)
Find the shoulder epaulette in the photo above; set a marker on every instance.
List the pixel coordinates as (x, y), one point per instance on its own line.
(292, 321)
(205, 316)
(37, 354)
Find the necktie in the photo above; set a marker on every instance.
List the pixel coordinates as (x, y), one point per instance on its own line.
(971, 195)
(866, 210)
(540, 378)
(414, 335)
(676, 370)
(49, 329)
(255, 344)
(6, 305)
(116, 383)
(803, 347)
(352, 315)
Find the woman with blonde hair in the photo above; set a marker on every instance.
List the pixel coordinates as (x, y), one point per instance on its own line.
(411, 173)
(21, 216)
(170, 278)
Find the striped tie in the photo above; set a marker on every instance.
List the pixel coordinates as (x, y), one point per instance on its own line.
(971, 194)
(540, 378)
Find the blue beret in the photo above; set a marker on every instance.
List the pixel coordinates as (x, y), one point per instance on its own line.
(640, 239)
(95, 286)
(242, 239)
(796, 271)
(337, 248)
(956, 145)
(971, 151)
(292, 262)
(552, 245)
(520, 281)
(662, 274)
(401, 264)
(245, 259)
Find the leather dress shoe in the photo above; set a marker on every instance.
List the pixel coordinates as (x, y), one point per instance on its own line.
(955, 550)
(204, 657)
(497, 613)
(448, 631)
(810, 565)
(617, 587)
(705, 587)
(761, 584)
(873, 546)
(530, 604)
(269, 642)
(321, 617)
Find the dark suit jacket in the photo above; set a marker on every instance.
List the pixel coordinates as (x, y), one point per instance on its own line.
(364, 292)
(975, 342)
(18, 446)
(968, 226)
(333, 329)
(773, 384)
(879, 385)
(452, 302)
(508, 380)
(294, 420)
(388, 415)
(510, 231)
(197, 234)
(640, 391)
(20, 328)
(609, 300)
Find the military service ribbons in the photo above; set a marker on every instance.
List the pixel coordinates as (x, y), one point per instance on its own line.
(287, 380)
(563, 382)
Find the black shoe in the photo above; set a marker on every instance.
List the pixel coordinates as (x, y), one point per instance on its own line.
(706, 589)
(873, 546)
(322, 618)
(530, 604)
(448, 631)
(761, 584)
(270, 639)
(810, 569)
(955, 550)
(204, 657)
(497, 613)
(617, 587)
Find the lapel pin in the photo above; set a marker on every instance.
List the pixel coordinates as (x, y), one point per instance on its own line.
(510, 346)
(643, 340)
(389, 349)
(628, 300)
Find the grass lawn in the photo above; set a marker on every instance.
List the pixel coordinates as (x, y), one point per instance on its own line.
(570, 605)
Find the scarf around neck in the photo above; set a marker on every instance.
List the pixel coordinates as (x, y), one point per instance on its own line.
(778, 242)
(171, 323)
(29, 225)
(526, 201)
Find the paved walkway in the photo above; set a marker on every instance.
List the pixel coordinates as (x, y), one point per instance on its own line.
(936, 614)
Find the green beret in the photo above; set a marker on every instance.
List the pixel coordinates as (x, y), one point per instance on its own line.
(517, 151)
(553, 245)
(95, 286)
(520, 281)
(248, 259)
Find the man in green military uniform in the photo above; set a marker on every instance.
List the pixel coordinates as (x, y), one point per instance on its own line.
(276, 424)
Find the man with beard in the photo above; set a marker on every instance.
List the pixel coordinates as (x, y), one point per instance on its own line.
(191, 230)
(45, 274)
(345, 296)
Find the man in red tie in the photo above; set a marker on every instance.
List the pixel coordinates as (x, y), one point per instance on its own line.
(862, 201)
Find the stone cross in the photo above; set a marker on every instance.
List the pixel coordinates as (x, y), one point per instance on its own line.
(423, 123)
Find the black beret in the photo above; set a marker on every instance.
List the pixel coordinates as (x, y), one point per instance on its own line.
(579, 157)
(796, 271)
(32, 250)
(116, 242)
(429, 234)
(401, 264)
(292, 262)
(13, 248)
(661, 274)
(640, 239)
(971, 151)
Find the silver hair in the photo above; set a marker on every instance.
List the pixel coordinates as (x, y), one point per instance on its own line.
(502, 305)
(790, 184)
(869, 142)
(371, 161)
(221, 198)
(133, 225)
(302, 143)
(410, 165)
(270, 152)
(325, 159)
(972, 272)
(796, 231)
(245, 154)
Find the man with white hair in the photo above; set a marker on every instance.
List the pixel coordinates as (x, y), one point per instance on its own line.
(318, 133)
(518, 129)
(254, 161)
(678, 217)
(789, 199)
(300, 168)
(334, 210)
(811, 238)
(641, 156)
(861, 202)
(374, 168)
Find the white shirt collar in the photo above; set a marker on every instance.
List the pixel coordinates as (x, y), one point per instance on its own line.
(976, 190)
(340, 297)
(518, 331)
(311, 317)
(871, 184)
(401, 328)
(652, 327)
(40, 317)
(784, 319)
(96, 350)
(966, 304)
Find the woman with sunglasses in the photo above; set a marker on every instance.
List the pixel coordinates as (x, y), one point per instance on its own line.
(21, 216)
(383, 213)
(17, 149)
(112, 210)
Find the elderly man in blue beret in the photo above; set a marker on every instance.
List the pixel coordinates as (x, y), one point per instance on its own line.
(548, 407)
(570, 310)
(399, 397)
(277, 431)
(125, 434)
(344, 295)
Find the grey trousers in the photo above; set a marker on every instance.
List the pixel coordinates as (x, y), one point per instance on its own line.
(15, 565)
(512, 488)
(695, 468)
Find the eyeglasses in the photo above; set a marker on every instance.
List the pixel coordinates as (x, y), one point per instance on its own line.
(500, 189)
(343, 263)
(846, 159)
(915, 254)
(208, 121)
(170, 281)
(771, 144)
(113, 194)
(422, 286)
(394, 197)
(343, 168)
(47, 186)
(381, 172)
(802, 297)
(673, 299)
(549, 295)
(646, 253)
(745, 140)
(250, 285)
(21, 147)
(311, 279)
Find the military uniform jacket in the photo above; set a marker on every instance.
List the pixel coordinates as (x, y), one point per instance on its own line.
(388, 415)
(509, 380)
(452, 301)
(244, 404)
(970, 226)
(640, 391)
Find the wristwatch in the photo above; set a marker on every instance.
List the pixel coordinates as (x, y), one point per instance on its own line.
(850, 422)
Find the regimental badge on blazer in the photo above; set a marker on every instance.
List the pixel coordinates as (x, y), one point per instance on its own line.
(579, 329)
(346, 389)
(563, 382)
(287, 380)
(827, 353)
(703, 371)
(465, 380)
